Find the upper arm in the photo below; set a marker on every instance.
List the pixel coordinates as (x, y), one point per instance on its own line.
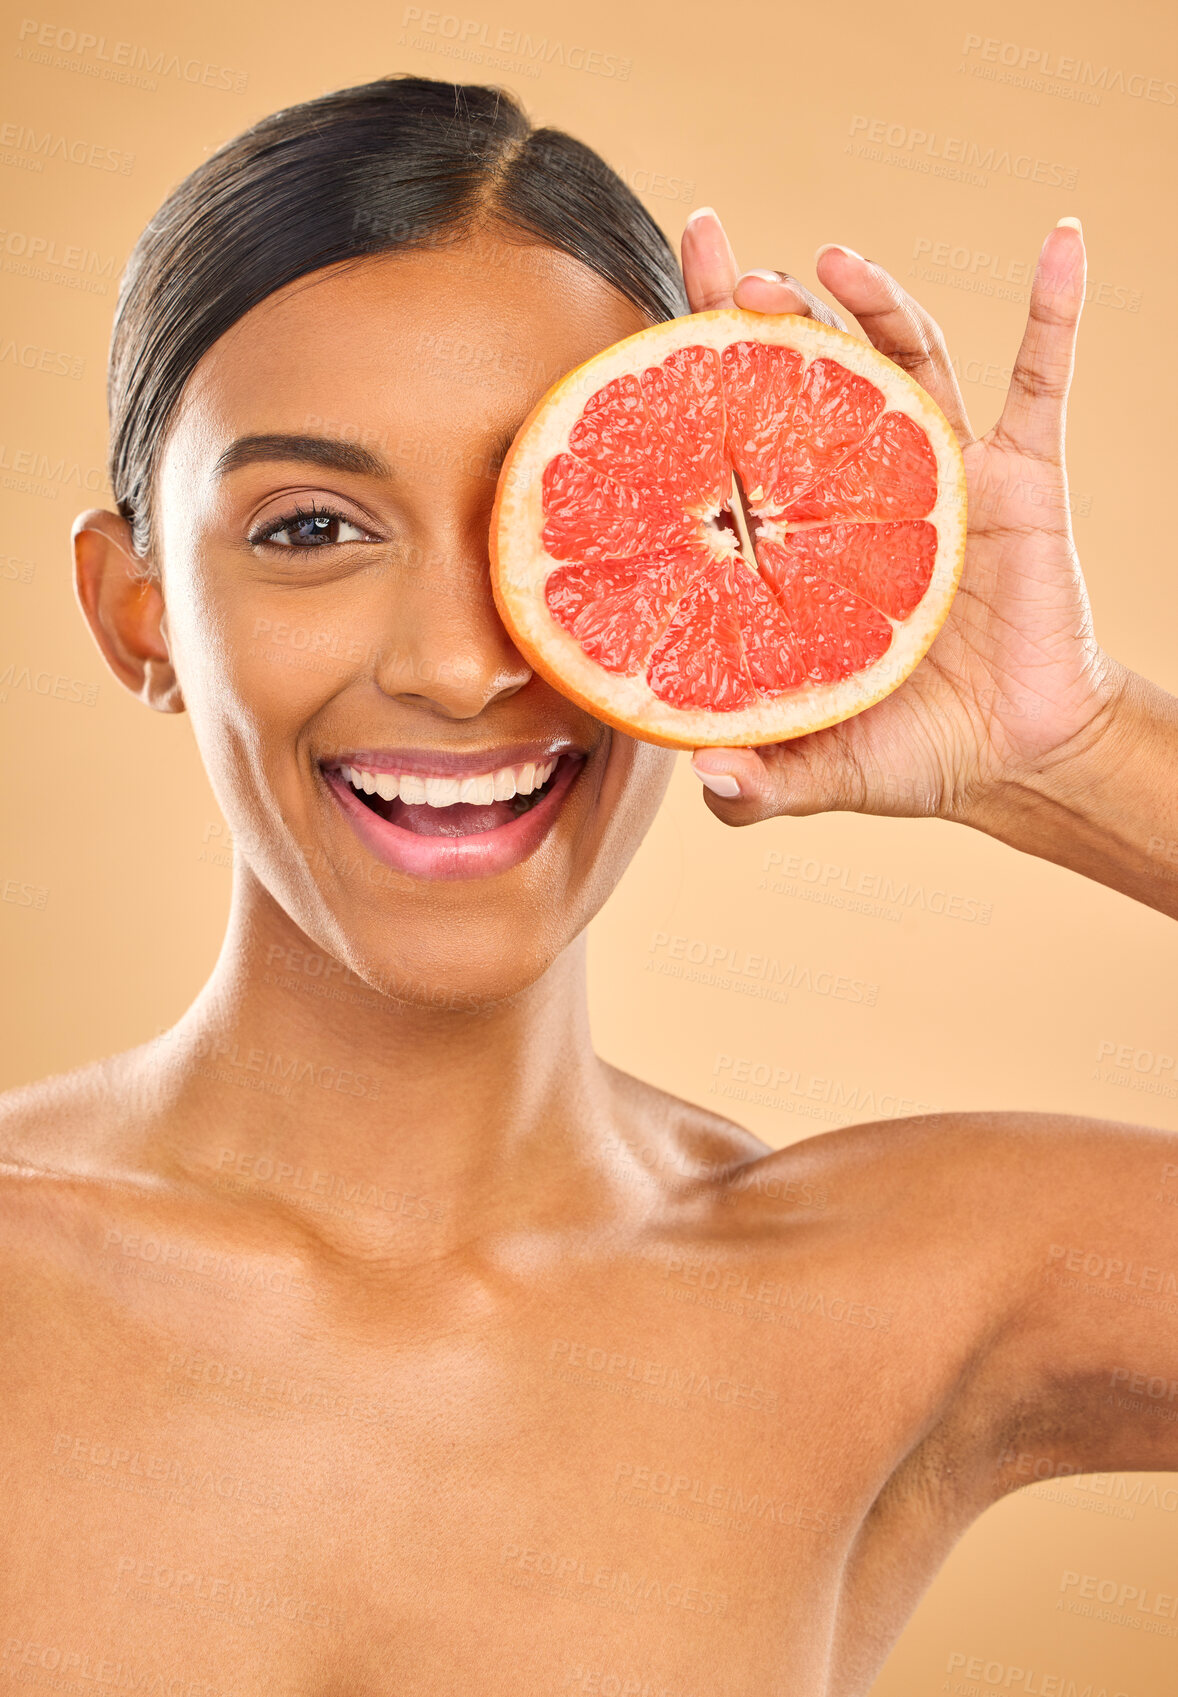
(1084, 1366)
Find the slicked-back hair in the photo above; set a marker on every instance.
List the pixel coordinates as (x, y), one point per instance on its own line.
(399, 163)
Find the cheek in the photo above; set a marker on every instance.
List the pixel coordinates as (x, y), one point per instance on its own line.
(633, 788)
(260, 658)
(252, 677)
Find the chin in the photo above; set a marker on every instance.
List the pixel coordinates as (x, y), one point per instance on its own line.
(472, 978)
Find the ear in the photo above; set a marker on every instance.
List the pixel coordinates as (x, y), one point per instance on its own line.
(124, 609)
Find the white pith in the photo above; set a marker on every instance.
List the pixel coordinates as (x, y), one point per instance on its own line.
(523, 564)
(479, 788)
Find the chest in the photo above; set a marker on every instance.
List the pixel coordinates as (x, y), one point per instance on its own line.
(605, 1482)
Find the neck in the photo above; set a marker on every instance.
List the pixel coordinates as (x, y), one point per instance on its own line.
(290, 1077)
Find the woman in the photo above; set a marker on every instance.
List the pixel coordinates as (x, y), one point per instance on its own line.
(354, 1346)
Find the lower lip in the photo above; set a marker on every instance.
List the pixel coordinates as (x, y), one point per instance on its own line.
(481, 855)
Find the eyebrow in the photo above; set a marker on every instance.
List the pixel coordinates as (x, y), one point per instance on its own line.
(319, 450)
(326, 451)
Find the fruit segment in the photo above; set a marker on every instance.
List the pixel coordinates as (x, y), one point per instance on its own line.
(616, 435)
(591, 517)
(834, 412)
(771, 654)
(893, 475)
(890, 565)
(835, 631)
(726, 643)
(685, 400)
(618, 611)
(761, 385)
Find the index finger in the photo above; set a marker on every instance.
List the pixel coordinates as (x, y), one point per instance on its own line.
(897, 325)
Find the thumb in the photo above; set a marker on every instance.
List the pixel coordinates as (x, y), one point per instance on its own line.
(745, 785)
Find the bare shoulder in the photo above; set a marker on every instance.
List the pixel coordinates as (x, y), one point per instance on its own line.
(981, 1183)
(66, 1123)
(993, 1174)
(64, 1154)
(673, 1137)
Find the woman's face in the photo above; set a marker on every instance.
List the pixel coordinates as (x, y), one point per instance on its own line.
(322, 512)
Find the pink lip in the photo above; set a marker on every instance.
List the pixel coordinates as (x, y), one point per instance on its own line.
(481, 855)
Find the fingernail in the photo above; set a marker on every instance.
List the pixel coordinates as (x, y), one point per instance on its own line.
(1071, 224)
(701, 212)
(837, 247)
(720, 783)
(762, 276)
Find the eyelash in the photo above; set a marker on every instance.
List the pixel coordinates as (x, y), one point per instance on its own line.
(296, 516)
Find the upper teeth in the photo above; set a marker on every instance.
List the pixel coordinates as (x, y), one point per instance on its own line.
(481, 788)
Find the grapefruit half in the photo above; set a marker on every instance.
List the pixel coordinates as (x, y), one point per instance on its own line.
(731, 528)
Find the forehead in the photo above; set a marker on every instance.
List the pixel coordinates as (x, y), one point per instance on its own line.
(452, 339)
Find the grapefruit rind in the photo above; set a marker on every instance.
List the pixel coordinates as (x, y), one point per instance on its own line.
(520, 564)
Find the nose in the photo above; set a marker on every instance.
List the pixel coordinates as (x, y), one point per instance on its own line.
(445, 648)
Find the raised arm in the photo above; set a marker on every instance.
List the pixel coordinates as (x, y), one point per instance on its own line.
(1107, 806)
(1016, 722)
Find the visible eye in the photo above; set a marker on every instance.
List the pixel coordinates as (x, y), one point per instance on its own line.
(314, 527)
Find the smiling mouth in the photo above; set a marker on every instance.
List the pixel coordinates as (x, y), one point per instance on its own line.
(455, 806)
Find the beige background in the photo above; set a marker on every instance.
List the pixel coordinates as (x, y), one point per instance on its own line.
(1001, 982)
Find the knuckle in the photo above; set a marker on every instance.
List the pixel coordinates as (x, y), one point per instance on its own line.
(934, 338)
(1050, 317)
(1040, 383)
(910, 360)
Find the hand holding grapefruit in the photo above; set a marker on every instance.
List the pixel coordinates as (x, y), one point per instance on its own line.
(1015, 684)
(1015, 677)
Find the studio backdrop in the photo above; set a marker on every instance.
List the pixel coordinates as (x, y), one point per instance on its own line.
(797, 975)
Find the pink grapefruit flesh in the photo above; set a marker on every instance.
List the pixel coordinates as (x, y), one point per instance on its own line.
(729, 529)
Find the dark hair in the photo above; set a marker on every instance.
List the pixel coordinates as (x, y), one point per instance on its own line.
(396, 163)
